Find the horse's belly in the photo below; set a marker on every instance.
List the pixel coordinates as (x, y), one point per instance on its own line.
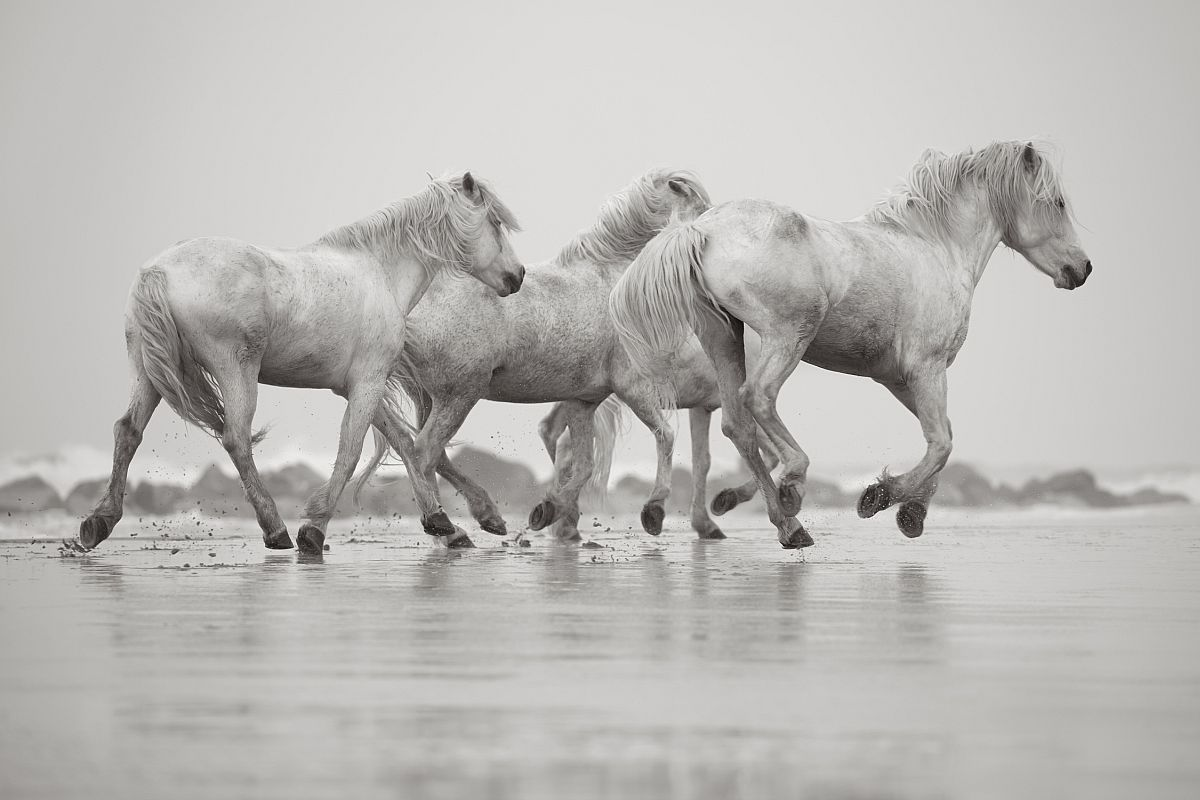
(854, 349)
(548, 382)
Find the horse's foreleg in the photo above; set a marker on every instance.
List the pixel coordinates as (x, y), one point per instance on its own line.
(647, 410)
(781, 353)
(925, 396)
(362, 400)
(239, 391)
(446, 415)
(482, 507)
(127, 435)
(726, 349)
(561, 505)
(699, 419)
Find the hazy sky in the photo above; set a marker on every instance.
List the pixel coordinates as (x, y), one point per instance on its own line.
(127, 127)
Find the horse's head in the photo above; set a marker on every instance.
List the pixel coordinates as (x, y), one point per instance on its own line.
(490, 255)
(1037, 224)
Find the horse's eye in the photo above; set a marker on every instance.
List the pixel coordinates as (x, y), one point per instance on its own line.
(1060, 203)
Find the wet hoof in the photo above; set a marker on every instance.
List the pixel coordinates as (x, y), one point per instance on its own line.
(278, 540)
(459, 540)
(494, 525)
(790, 500)
(726, 500)
(542, 515)
(794, 536)
(652, 518)
(94, 530)
(310, 540)
(875, 498)
(911, 519)
(709, 531)
(438, 524)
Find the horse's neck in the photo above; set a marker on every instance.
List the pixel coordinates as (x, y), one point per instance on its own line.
(972, 235)
(408, 279)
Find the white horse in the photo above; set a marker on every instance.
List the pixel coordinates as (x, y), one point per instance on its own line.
(210, 319)
(886, 296)
(552, 342)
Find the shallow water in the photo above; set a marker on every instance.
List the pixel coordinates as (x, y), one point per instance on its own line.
(1003, 654)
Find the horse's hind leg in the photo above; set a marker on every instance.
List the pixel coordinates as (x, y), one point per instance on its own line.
(561, 504)
(127, 435)
(239, 392)
(445, 417)
(729, 499)
(781, 353)
(699, 419)
(362, 400)
(726, 350)
(924, 394)
(551, 428)
(482, 507)
(647, 410)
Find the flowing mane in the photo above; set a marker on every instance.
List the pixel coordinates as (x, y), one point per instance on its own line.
(629, 219)
(437, 225)
(1013, 173)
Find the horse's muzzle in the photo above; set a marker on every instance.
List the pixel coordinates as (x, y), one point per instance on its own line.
(1073, 277)
(512, 282)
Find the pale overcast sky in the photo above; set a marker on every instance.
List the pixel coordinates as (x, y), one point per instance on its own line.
(127, 127)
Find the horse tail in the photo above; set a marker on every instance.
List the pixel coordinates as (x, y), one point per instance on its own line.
(657, 301)
(608, 424)
(168, 361)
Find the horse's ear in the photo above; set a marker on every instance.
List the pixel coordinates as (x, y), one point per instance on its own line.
(678, 187)
(1029, 155)
(469, 185)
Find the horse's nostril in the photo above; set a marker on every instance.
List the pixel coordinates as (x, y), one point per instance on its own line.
(1087, 269)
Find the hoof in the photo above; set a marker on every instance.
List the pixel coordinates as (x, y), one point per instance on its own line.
(790, 500)
(94, 530)
(494, 525)
(795, 536)
(875, 498)
(542, 515)
(652, 518)
(911, 519)
(310, 540)
(726, 500)
(438, 524)
(278, 540)
(709, 531)
(459, 540)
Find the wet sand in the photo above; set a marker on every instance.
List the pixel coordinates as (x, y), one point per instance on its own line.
(1030, 654)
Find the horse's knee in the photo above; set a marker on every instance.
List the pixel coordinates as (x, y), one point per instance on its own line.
(940, 448)
(234, 445)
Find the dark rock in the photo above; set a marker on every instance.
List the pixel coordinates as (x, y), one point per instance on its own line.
(29, 494)
(84, 495)
(218, 494)
(158, 498)
(293, 481)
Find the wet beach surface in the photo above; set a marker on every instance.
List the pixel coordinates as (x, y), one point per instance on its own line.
(1004, 654)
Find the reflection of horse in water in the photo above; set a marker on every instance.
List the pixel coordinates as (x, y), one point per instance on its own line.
(210, 319)
(886, 296)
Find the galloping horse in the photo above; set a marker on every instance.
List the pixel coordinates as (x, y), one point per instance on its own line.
(886, 296)
(552, 342)
(209, 319)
